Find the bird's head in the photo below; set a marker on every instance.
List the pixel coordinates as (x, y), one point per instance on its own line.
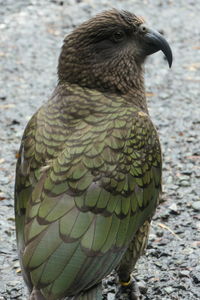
(108, 51)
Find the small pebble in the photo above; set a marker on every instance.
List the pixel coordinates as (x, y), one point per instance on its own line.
(110, 296)
(169, 290)
(174, 208)
(184, 273)
(196, 205)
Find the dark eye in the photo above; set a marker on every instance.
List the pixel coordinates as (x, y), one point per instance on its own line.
(143, 28)
(118, 36)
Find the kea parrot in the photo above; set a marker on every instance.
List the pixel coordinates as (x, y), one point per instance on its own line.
(88, 175)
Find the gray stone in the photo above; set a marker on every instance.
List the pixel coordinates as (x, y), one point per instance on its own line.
(196, 205)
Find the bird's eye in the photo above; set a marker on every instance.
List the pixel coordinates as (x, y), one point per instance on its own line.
(118, 36)
(143, 28)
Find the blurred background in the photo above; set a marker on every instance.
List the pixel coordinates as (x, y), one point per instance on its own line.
(31, 34)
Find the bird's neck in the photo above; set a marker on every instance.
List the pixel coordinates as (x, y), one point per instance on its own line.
(120, 76)
(137, 97)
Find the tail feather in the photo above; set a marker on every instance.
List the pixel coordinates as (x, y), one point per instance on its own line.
(95, 293)
(36, 295)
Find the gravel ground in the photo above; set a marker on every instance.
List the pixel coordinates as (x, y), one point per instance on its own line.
(30, 41)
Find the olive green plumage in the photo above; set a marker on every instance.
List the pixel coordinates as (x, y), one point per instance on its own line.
(88, 178)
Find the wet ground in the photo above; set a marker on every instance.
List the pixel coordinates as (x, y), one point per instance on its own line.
(31, 34)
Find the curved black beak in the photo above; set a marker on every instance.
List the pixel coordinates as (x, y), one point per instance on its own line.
(155, 42)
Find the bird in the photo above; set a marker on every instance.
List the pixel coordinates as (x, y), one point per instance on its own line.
(89, 169)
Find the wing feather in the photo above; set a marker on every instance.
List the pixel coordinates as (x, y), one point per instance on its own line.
(84, 185)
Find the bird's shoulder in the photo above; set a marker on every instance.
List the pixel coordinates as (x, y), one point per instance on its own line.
(76, 121)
